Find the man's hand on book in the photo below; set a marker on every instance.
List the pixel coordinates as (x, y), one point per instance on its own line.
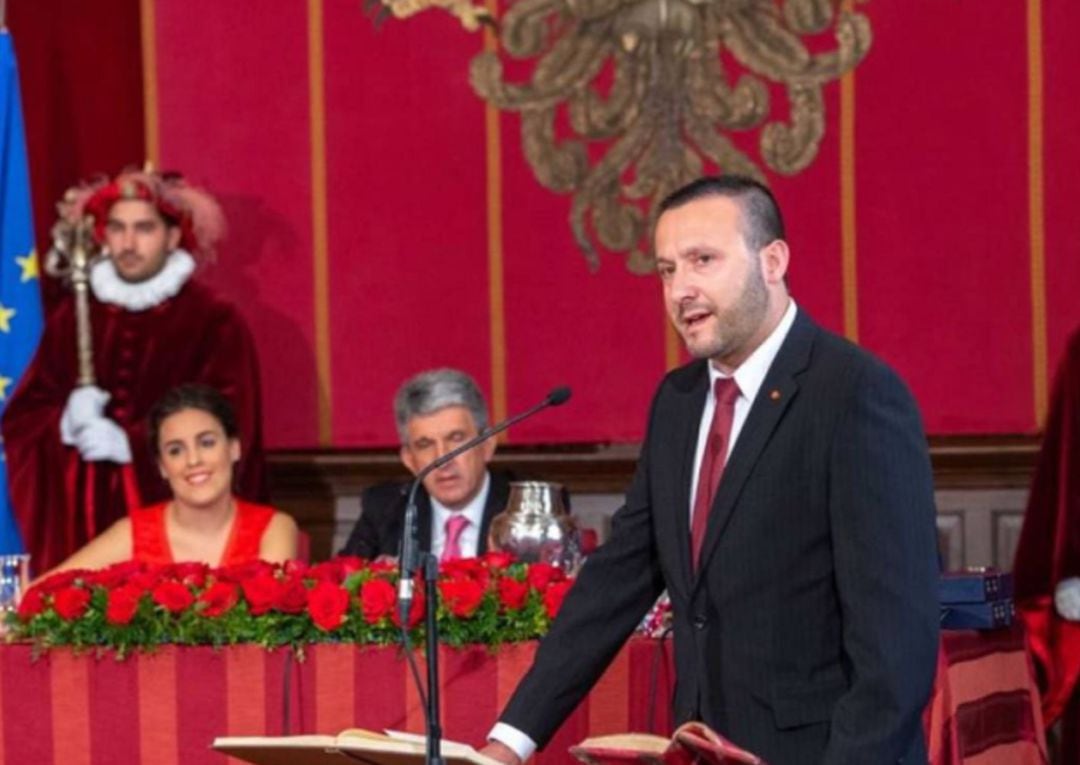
(499, 751)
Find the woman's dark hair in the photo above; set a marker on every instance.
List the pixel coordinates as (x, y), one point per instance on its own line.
(191, 396)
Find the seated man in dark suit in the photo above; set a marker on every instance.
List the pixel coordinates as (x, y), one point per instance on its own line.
(436, 411)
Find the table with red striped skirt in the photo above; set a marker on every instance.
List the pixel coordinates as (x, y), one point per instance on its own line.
(165, 708)
(985, 706)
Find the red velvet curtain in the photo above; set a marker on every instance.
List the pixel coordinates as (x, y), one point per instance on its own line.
(81, 76)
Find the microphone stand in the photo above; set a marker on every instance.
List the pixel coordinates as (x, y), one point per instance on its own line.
(431, 647)
(413, 558)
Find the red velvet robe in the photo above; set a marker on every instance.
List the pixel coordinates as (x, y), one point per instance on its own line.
(62, 502)
(1049, 546)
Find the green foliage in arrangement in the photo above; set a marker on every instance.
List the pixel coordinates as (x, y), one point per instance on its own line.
(489, 600)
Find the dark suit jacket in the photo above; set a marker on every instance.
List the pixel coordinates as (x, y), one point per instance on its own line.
(382, 516)
(810, 632)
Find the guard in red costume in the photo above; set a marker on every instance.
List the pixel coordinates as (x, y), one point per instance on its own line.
(78, 457)
(1047, 568)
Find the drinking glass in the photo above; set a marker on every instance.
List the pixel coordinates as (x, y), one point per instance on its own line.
(14, 574)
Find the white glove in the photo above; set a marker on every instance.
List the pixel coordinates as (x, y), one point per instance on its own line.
(85, 404)
(103, 440)
(1067, 598)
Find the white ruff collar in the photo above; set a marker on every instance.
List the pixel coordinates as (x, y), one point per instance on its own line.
(108, 287)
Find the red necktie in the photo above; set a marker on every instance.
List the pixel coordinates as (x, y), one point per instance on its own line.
(455, 526)
(712, 461)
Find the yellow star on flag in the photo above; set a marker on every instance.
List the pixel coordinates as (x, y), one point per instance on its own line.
(4, 383)
(29, 266)
(5, 318)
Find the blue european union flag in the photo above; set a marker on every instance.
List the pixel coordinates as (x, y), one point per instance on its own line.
(20, 294)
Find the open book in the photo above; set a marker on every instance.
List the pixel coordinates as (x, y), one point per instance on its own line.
(353, 745)
(693, 742)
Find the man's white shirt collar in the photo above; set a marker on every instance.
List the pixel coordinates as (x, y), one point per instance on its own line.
(108, 287)
(750, 375)
(474, 511)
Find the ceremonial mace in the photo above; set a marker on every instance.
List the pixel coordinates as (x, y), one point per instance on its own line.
(74, 251)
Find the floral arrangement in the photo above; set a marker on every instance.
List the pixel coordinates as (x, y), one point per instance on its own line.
(488, 600)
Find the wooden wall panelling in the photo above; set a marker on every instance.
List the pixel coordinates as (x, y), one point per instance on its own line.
(950, 530)
(981, 485)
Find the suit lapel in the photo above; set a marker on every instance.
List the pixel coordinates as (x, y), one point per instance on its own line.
(773, 399)
(498, 494)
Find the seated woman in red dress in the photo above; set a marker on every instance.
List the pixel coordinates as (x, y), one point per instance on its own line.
(194, 431)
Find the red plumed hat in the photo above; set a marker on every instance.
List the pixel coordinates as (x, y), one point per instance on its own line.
(193, 210)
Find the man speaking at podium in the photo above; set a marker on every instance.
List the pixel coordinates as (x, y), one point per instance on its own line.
(784, 498)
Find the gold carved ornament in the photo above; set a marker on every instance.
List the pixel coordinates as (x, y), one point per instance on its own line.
(630, 99)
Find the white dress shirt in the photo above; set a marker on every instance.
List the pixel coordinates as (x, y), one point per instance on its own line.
(469, 541)
(749, 377)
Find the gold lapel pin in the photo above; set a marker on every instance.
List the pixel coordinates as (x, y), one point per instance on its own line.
(774, 394)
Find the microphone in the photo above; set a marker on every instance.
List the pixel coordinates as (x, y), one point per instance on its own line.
(409, 561)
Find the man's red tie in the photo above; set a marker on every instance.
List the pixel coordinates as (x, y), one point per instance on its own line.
(726, 391)
(455, 526)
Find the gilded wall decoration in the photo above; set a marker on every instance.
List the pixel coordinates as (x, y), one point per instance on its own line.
(629, 99)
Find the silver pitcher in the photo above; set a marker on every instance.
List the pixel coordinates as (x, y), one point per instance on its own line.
(535, 526)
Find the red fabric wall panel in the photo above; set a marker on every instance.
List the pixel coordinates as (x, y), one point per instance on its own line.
(811, 205)
(233, 104)
(942, 201)
(1061, 129)
(601, 333)
(943, 250)
(406, 211)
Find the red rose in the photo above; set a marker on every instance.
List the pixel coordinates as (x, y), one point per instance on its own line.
(466, 568)
(241, 572)
(497, 560)
(32, 604)
(383, 566)
(349, 564)
(512, 593)
(59, 581)
(377, 599)
(461, 596)
(295, 568)
(122, 604)
(292, 596)
(553, 598)
(174, 597)
(191, 573)
(218, 598)
(463, 567)
(327, 571)
(542, 575)
(71, 602)
(146, 580)
(327, 603)
(262, 592)
(116, 574)
(416, 610)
